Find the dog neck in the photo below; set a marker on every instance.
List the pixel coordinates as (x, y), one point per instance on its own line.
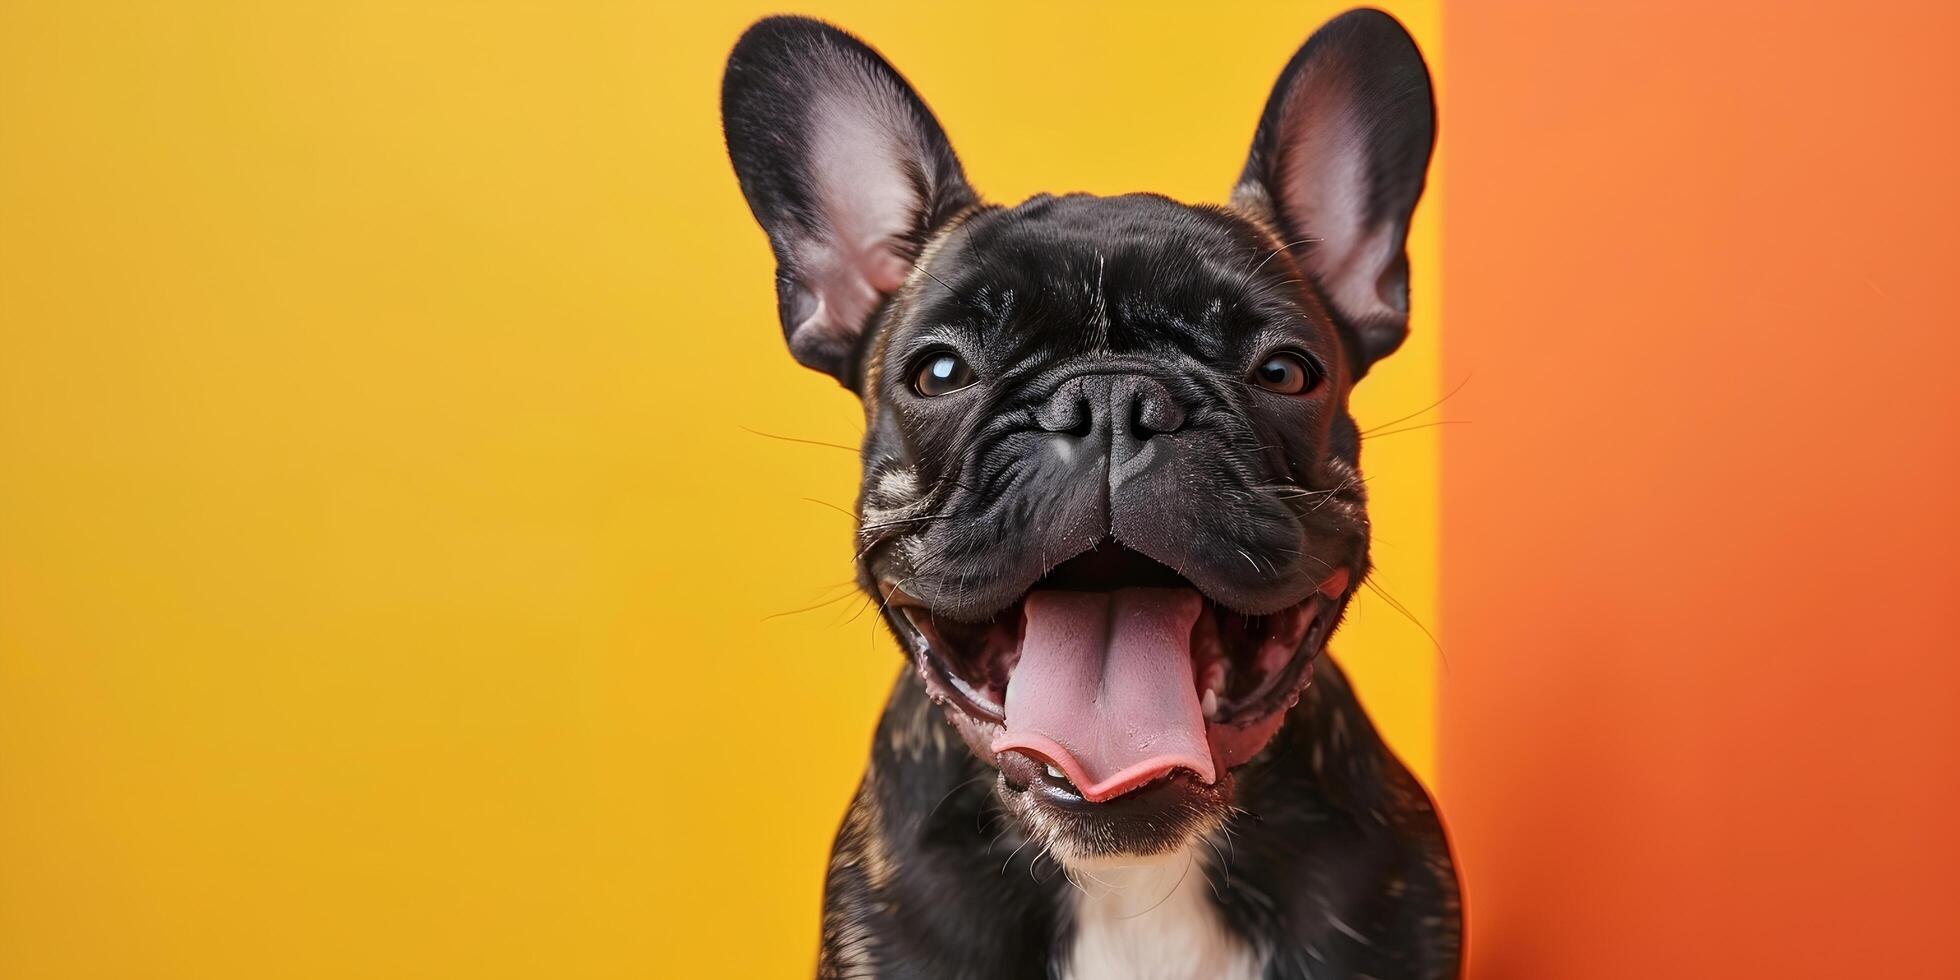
(1142, 918)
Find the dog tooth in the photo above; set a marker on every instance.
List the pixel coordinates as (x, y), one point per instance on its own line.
(1057, 773)
(1210, 704)
(1215, 676)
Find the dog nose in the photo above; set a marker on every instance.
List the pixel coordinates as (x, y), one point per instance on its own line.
(1144, 407)
(1122, 411)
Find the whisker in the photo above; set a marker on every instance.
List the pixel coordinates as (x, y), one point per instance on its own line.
(810, 608)
(1288, 491)
(884, 605)
(949, 795)
(1004, 831)
(1224, 863)
(826, 503)
(1426, 408)
(1346, 485)
(1190, 858)
(1396, 604)
(860, 611)
(806, 442)
(942, 284)
(1372, 434)
(1010, 856)
(1270, 256)
(896, 521)
(1070, 877)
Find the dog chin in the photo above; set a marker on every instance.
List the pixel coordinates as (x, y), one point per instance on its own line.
(1115, 699)
(1167, 814)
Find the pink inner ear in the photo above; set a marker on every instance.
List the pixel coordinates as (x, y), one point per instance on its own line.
(867, 205)
(1324, 192)
(885, 270)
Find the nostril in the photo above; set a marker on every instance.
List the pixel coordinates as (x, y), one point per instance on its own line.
(1153, 412)
(1135, 406)
(1069, 416)
(1083, 418)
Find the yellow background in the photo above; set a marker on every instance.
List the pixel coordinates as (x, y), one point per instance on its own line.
(385, 569)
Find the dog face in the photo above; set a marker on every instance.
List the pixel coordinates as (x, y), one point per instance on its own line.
(1111, 503)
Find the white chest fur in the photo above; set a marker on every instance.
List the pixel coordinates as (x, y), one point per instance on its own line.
(1153, 919)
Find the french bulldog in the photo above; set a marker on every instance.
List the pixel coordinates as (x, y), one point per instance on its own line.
(1112, 510)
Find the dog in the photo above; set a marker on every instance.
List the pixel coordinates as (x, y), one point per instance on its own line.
(1111, 510)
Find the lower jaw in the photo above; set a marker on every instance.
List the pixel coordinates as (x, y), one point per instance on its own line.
(1164, 816)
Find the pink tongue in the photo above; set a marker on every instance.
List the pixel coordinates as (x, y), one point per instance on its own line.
(1104, 689)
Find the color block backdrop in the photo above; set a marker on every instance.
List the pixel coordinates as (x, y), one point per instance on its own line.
(406, 571)
(1702, 711)
(391, 584)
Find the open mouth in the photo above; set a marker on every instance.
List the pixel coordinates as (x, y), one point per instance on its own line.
(1114, 671)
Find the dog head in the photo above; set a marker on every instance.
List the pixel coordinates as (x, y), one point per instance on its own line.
(1111, 504)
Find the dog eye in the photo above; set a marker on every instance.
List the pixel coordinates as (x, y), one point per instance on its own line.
(1287, 373)
(942, 373)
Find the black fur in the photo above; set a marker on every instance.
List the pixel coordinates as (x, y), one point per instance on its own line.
(1341, 868)
(1111, 340)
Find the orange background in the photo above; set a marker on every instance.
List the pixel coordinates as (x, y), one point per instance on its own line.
(390, 586)
(1701, 708)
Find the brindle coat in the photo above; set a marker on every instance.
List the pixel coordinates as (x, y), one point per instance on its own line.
(1337, 866)
(1110, 340)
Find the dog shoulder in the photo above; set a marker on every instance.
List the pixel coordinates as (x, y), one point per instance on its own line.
(858, 873)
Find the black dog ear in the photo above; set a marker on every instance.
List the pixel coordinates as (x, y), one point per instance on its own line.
(1338, 162)
(844, 167)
